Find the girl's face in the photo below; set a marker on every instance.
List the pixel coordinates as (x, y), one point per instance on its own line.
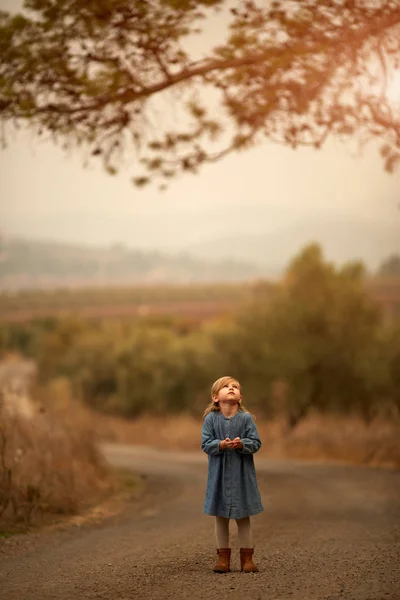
(230, 392)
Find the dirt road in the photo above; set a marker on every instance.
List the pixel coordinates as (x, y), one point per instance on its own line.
(327, 533)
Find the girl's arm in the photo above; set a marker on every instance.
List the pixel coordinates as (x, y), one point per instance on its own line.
(209, 444)
(251, 442)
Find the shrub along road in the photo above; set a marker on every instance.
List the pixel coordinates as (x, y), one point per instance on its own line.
(328, 532)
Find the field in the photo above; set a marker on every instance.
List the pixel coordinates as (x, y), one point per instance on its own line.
(199, 301)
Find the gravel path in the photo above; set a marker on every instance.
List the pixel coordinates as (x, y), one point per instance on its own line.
(327, 533)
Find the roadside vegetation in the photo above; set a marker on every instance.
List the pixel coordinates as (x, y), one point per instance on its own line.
(317, 356)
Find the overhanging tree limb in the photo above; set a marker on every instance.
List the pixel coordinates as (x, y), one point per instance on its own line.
(294, 72)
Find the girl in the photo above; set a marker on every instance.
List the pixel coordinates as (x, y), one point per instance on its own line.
(230, 438)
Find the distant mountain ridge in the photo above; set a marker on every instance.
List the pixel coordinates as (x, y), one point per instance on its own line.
(43, 264)
(341, 239)
(30, 263)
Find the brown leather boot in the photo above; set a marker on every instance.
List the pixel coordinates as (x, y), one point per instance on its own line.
(246, 561)
(224, 559)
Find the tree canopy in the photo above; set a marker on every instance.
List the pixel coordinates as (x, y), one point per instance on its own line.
(110, 76)
(390, 267)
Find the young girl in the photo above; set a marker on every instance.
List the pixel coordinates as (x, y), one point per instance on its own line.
(230, 438)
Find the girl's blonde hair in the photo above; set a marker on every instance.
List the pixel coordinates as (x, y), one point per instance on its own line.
(215, 388)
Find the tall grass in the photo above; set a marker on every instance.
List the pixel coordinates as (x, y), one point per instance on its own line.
(49, 465)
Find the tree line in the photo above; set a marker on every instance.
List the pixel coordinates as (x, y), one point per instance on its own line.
(317, 342)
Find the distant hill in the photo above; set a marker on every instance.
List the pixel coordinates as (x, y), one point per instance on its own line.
(342, 240)
(44, 264)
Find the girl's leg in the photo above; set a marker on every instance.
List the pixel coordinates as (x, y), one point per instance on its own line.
(244, 533)
(246, 546)
(224, 552)
(222, 532)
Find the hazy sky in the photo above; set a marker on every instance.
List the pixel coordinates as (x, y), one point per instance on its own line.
(267, 190)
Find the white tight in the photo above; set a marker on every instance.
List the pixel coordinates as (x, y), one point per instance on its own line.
(222, 532)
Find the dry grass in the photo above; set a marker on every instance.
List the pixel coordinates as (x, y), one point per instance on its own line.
(346, 440)
(316, 438)
(49, 465)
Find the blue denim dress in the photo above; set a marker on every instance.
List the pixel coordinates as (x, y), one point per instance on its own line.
(232, 489)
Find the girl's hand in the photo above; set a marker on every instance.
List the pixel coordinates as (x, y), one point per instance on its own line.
(237, 443)
(225, 444)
